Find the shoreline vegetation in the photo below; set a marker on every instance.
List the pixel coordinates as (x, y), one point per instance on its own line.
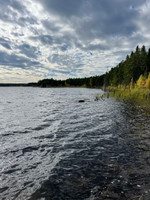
(137, 96)
(136, 93)
(129, 80)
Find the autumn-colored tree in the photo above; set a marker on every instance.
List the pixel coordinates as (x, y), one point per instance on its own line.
(90, 83)
(141, 81)
(66, 84)
(147, 84)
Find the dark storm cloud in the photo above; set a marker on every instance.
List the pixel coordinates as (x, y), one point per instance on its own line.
(16, 61)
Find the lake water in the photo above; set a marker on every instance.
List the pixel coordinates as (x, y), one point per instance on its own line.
(54, 148)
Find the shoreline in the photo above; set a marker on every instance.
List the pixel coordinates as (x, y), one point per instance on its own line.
(138, 96)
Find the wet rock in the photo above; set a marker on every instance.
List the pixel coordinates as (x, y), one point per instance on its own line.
(81, 101)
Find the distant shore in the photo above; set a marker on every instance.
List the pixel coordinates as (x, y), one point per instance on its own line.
(18, 84)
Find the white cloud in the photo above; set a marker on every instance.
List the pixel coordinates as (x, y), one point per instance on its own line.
(45, 39)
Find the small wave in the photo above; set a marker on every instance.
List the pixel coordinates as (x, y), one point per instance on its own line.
(30, 149)
(3, 189)
(11, 171)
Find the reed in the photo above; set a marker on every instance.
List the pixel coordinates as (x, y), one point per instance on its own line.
(137, 95)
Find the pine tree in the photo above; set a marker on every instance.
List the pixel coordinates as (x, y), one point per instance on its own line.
(143, 60)
(148, 61)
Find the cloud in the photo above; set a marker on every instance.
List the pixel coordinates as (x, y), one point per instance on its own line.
(5, 43)
(69, 38)
(44, 39)
(66, 8)
(13, 11)
(50, 26)
(96, 18)
(15, 61)
(29, 51)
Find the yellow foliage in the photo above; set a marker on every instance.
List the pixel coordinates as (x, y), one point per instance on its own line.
(141, 81)
(91, 82)
(66, 84)
(147, 84)
(84, 85)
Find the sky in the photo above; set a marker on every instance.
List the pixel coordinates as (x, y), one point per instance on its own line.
(68, 38)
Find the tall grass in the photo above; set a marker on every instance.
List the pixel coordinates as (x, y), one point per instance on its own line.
(135, 95)
(138, 93)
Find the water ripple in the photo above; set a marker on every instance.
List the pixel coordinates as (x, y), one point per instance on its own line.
(53, 147)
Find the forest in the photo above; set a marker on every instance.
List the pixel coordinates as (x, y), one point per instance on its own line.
(134, 69)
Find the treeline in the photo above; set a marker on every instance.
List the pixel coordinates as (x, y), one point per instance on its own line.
(18, 84)
(136, 64)
(96, 81)
(127, 71)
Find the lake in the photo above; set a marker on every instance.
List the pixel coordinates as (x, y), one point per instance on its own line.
(54, 148)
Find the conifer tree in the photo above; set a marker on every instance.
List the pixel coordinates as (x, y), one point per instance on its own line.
(143, 60)
(148, 61)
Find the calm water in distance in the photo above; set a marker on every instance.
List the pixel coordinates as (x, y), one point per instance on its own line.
(53, 147)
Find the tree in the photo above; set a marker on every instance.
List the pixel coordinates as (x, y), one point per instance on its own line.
(148, 61)
(143, 60)
(131, 84)
(90, 82)
(137, 51)
(147, 84)
(141, 81)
